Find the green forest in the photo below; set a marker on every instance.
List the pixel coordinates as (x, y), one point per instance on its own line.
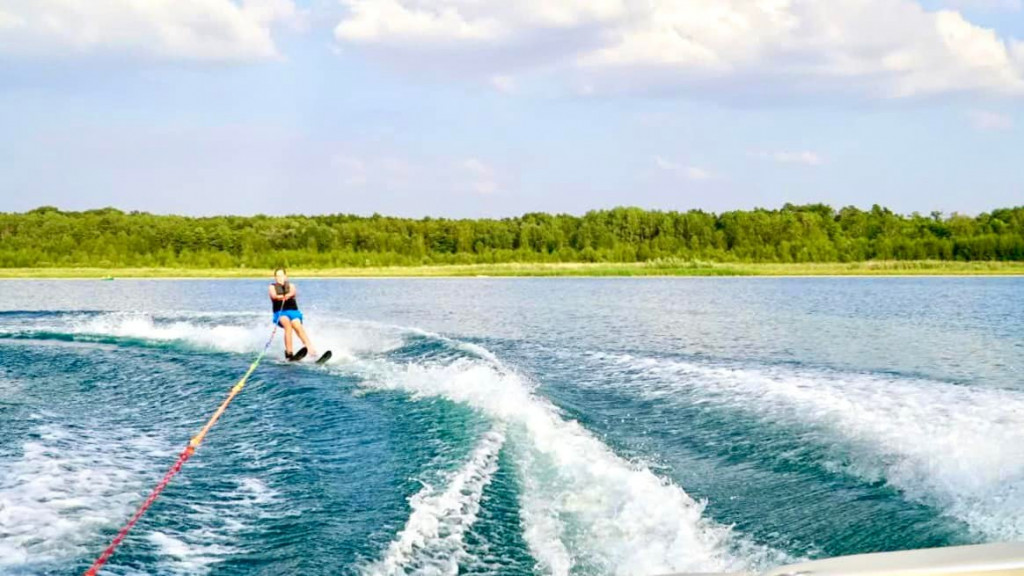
(49, 237)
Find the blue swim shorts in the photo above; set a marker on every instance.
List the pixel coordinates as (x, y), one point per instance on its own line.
(293, 315)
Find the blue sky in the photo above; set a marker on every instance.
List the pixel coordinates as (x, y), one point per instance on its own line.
(489, 108)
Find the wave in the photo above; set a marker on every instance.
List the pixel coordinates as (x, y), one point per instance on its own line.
(231, 333)
(582, 506)
(953, 447)
(35, 314)
(432, 540)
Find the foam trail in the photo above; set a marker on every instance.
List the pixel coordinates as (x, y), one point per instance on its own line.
(958, 448)
(189, 557)
(223, 337)
(65, 488)
(432, 540)
(582, 505)
(474, 349)
(242, 333)
(220, 517)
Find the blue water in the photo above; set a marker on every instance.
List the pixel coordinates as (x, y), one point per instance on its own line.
(510, 426)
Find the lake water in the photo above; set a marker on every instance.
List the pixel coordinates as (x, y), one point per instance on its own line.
(510, 426)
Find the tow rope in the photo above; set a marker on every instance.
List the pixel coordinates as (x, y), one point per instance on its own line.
(187, 453)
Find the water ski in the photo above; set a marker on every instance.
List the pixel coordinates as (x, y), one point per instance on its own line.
(299, 355)
(324, 357)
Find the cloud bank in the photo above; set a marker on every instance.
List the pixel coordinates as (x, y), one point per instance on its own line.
(887, 49)
(176, 30)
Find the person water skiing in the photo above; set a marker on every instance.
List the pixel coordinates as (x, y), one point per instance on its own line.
(286, 312)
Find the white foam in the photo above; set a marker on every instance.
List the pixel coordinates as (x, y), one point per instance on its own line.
(241, 333)
(432, 540)
(65, 487)
(474, 349)
(255, 492)
(350, 339)
(224, 337)
(218, 518)
(955, 447)
(582, 505)
(197, 556)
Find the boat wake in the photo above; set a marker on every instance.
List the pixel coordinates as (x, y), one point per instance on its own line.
(432, 540)
(580, 506)
(957, 448)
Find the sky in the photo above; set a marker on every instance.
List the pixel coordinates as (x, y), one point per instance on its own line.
(494, 108)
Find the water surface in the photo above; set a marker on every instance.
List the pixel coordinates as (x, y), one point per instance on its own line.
(511, 426)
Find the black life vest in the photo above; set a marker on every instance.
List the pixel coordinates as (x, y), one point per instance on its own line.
(281, 290)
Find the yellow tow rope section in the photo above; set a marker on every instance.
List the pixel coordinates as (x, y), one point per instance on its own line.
(198, 438)
(182, 458)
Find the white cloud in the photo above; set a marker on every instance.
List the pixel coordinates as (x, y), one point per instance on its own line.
(404, 173)
(880, 48)
(372, 20)
(988, 121)
(986, 5)
(481, 176)
(396, 173)
(351, 169)
(444, 21)
(874, 48)
(805, 157)
(503, 83)
(664, 164)
(694, 173)
(205, 30)
(379, 171)
(8, 20)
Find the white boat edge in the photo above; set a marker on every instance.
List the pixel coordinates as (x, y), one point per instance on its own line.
(1002, 559)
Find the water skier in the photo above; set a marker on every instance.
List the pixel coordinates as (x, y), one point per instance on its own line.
(287, 314)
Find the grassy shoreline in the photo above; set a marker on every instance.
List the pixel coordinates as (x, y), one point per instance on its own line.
(658, 268)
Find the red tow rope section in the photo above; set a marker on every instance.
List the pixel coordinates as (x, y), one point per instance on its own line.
(182, 458)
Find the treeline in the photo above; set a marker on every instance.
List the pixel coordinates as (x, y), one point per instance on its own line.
(48, 237)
